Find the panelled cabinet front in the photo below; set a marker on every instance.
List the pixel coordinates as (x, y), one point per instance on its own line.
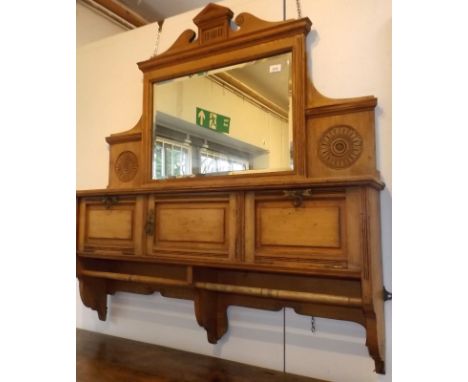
(283, 214)
(287, 229)
(111, 225)
(192, 227)
(303, 228)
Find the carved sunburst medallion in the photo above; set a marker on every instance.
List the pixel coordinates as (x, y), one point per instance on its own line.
(126, 166)
(340, 146)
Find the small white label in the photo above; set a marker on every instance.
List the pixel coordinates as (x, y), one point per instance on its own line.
(275, 68)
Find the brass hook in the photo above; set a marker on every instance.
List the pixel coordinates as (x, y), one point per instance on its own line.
(109, 201)
(149, 226)
(297, 196)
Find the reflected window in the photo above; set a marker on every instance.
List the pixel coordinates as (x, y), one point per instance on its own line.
(212, 161)
(171, 158)
(178, 156)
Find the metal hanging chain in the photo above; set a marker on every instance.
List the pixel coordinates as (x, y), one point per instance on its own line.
(284, 340)
(312, 325)
(299, 11)
(158, 36)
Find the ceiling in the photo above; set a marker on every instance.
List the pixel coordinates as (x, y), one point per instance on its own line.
(157, 10)
(271, 84)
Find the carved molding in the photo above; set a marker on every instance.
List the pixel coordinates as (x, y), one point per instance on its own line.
(130, 137)
(126, 166)
(215, 34)
(213, 23)
(318, 105)
(340, 146)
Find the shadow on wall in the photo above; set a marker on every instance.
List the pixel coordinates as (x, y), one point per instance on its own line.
(174, 312)
(343, 337)
(337, 349)
(312, 40)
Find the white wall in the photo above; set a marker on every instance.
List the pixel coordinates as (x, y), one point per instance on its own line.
(349, 55)
(349, 51)
(92, 26)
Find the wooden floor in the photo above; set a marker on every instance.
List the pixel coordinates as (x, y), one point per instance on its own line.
(101, 358)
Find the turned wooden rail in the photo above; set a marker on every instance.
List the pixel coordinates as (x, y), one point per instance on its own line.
(319, 298)
(280, 294)
(134, 278)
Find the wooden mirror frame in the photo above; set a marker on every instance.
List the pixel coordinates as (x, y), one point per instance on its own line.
(334, 183)
(207, 59)
(217, 46)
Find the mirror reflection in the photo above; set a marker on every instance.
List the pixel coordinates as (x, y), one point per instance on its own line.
(231, 120)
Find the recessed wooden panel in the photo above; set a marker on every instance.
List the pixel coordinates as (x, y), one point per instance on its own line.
(312, 226)
(311, 233)
(201, 227)
(341, 145)
(113, 226)
(186, 223)
(124, 160)
(110, 224)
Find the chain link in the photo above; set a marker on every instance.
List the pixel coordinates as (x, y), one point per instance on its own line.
(299, 11)
(158, 36)
(312, 325)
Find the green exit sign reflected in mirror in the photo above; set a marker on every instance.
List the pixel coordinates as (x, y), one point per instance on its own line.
(213, 121)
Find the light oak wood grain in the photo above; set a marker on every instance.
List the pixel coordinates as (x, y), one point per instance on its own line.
(308, 238)
(110, 224)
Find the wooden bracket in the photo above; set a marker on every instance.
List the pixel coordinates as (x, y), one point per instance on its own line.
(373, 343)
(93, 293)
(211, 314)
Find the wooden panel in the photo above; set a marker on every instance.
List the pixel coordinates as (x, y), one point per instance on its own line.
(111, 228)
(194, 226)
(373, 284)
(249, 227)
(341, 145)
(110, 224)
(312, 226)
(312, 234)
(354, 211)
(125, 159)
(191, 223)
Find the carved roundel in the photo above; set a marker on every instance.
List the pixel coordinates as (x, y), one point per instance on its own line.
(126, 166)
(340, 146)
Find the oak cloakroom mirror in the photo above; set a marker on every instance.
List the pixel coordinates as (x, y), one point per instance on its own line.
(230, 120)
(240, 185)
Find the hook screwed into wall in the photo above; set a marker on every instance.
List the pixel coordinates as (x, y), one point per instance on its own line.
(387, 296)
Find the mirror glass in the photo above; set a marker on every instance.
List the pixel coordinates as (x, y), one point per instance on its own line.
(231, 120)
